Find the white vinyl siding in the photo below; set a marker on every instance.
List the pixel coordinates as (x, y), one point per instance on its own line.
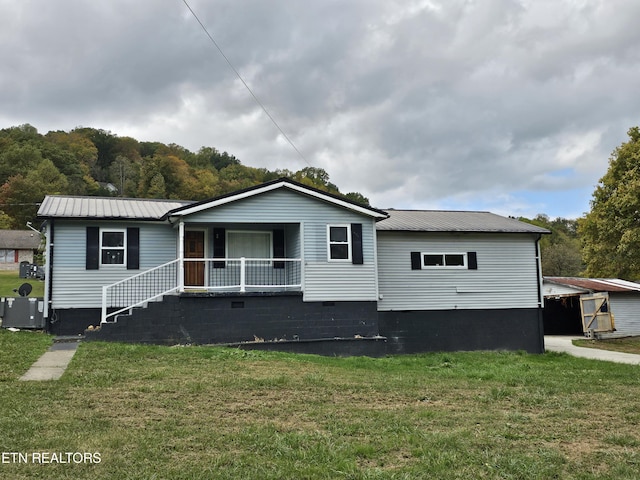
(322, 280)
(76, 287)
(506, 276)
(303, 218)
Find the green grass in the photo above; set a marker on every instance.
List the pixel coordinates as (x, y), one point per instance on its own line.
(210, 412)
(10, 280)
(626, 345)
(18, 351)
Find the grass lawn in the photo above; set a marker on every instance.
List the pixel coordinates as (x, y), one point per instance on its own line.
(626, 345)
(11, 279)
(210, 412)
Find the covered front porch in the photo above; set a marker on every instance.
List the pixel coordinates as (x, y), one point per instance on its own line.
(216, 258)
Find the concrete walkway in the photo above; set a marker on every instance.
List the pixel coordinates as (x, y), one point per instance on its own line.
(52, 364)
(553, 343)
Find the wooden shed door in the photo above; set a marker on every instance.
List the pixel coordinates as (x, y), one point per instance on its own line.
(194, 248)
(596, 314)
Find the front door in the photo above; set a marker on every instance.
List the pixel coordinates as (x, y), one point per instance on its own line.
(194, 248)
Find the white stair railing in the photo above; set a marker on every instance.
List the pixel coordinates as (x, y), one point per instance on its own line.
(139, 289)
(219, 274)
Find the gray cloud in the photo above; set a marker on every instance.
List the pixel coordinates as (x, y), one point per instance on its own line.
(415, 104)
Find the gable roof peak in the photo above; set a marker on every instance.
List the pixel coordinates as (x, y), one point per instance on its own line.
(279, 183)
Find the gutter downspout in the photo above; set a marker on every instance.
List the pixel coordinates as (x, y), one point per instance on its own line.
(540, 294)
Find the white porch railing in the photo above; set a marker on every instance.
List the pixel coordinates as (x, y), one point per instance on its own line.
(244, 274)
(207, 274)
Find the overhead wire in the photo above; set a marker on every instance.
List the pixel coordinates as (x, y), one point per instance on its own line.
(237, 73)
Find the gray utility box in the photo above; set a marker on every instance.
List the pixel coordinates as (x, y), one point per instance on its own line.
(25, 268)
(22, 312)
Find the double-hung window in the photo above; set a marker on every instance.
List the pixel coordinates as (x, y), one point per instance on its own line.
(113, 247)
(339, 242)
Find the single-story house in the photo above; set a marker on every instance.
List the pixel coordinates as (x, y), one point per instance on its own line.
(566, 313)
(288, 266)
(17, 246)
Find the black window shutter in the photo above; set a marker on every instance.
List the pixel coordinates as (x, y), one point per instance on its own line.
(219, 250)
(472, 261)
(133, 248)
(93, 248)
(278, 247)
(356, 244)
(416, 264)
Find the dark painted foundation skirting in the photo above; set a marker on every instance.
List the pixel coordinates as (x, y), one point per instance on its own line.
(284, 322)
(216, 319)
(72, 321)
(451, 330)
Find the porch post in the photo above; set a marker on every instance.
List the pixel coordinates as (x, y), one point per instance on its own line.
(181, 256)
(243, 278)
(103, 314)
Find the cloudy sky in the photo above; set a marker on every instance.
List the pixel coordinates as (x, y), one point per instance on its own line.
(512, 106)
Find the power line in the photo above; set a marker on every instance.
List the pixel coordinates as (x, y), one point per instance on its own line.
(264, 109)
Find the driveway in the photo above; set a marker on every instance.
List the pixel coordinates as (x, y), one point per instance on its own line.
(558, 343)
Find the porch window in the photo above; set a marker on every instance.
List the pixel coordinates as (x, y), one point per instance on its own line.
(112, 247)
(339, 239)
(249, 244)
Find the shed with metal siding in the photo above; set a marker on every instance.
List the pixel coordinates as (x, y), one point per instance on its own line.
(624, 300)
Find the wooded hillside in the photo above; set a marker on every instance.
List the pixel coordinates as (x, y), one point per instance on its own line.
(90, 161)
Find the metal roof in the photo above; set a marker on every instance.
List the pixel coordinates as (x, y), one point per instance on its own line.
(55, 206)
(596, 284)
(453, 221)
(19, 239)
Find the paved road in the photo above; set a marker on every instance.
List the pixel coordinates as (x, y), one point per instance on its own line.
(556, 343)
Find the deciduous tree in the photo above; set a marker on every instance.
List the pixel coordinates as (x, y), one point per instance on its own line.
(610, 232)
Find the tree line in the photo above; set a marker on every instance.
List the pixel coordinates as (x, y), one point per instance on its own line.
(90, 161)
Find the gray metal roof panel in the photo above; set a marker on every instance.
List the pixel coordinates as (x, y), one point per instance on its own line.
(54, 206)
(453, 221)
